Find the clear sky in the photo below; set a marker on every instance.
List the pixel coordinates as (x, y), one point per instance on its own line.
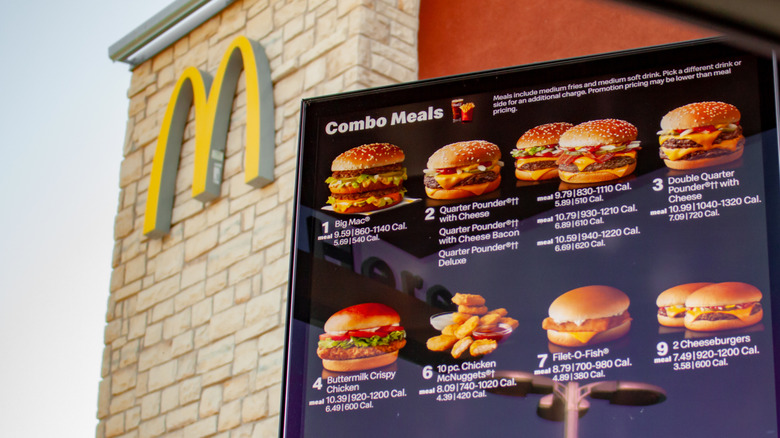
(62, 127)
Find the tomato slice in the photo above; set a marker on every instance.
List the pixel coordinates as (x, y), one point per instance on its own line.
(448, 171)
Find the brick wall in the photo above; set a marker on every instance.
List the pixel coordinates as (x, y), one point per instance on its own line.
(195, 320)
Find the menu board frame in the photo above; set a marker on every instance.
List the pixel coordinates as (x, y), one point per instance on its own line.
(323, 273)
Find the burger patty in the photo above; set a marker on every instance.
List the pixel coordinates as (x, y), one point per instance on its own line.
(613, 163)
(337, 353)
(363, 195)
(477, 178)
(721, 316)
(538, 165)
(695, 155)
(370, 171)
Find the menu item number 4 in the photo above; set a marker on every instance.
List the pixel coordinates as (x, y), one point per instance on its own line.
(588, 315)
(367, 178)
(361, 337)
(701, 134)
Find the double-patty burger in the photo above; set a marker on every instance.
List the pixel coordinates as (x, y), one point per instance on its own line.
(537, 151)
(361, 337)
(367, 178)
(596, 151)
(588, 315)
(463, 169)
(701, 134)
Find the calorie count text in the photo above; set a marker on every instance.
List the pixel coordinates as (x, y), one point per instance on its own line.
(686, 195)
(359, 400)
(466, 381)
(586, 217)
(570, 366)
(706, 357)
(354, 231)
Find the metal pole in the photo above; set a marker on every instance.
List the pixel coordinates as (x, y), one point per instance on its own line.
(572, 400)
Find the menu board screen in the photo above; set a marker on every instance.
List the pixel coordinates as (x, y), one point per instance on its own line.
(579, 248)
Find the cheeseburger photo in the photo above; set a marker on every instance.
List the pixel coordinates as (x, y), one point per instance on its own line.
(463, 169)
(588, 315)
(597, 151)
(361, 337)
(671, 303)
(701, 134)
(723, 306)
(537, 152)
(367, 178)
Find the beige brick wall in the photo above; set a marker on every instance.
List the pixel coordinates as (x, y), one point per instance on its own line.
(195, 321)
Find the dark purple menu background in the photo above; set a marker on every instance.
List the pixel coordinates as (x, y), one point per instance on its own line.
(403, 268)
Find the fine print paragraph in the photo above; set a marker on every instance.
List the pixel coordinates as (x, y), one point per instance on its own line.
(508, 103)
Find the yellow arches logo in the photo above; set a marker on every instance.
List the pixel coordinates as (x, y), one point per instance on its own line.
(212, 119)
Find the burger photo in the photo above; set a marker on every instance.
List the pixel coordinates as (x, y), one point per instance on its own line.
(537, 152)
(463, 169)
(598, 151)
(588, 315)
(671, 303)
(723, 306)
(701, 134)
(361, 337)
(367, 178)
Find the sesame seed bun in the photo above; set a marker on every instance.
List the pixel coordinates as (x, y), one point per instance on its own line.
(464, 153)
(543, 135)
(368, 156)
(598, 132)
(700, 114)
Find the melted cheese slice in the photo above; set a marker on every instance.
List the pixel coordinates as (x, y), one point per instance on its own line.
(672, 311)
(450, 180)
(739, 313)
(702, 138)
(582, 162)
(536, 174)
(583, 337)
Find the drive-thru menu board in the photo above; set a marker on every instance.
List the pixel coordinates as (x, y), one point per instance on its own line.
(615, 274)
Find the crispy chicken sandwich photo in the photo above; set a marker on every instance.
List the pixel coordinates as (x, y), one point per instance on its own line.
(537, 151)
(597, 151)
(361, 337)
(463, 169)
(367, 178)
(701, 134)
(588, 315)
